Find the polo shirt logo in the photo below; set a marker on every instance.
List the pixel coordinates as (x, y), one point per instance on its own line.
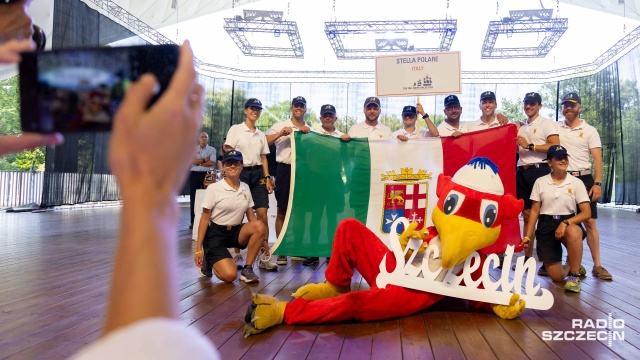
(535, 131)
(581, 134)
(569, 191)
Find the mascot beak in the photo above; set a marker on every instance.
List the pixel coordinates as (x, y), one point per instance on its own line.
(460, 237)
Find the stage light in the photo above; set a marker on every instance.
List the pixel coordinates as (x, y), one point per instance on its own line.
(259, 21)
(520, 22)
(334, 30)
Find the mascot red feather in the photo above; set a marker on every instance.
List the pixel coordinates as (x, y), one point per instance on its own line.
(467, 218)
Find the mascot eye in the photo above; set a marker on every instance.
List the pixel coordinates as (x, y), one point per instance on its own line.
(453, 202)
(488, 212)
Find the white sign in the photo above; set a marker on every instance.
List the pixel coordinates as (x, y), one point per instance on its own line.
(431, 277)
(417, 74)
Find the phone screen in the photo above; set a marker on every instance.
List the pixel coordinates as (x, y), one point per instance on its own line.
(81, 89)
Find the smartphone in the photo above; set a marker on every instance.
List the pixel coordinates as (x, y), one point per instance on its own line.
(80, 89)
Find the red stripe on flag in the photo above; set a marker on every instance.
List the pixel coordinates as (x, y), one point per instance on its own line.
(499, 145)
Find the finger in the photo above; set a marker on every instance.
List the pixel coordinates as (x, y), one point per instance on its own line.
(13, 144)
(183, 80)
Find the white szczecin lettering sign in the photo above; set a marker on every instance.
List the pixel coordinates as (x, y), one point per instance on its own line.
(435, 279)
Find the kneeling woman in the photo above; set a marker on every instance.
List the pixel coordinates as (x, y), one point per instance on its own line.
(225, 204)
(555, 197)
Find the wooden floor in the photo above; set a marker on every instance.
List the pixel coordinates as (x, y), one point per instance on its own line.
(54, 277)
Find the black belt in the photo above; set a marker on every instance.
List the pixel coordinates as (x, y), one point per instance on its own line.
(253, 167)
(531, 166)
(555, 217)
(580, 172)
(222, 227)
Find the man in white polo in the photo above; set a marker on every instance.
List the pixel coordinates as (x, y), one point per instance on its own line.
(452, 126)
(370, 127)
(583, 141)
(489, 119)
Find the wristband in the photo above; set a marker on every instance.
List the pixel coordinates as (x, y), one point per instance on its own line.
(597, 183)
(425, 116)
(527, 238)
(199, 252)
(534, 148)
(566, 222)
(267, 176)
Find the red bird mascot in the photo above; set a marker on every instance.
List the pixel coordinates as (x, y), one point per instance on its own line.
(467, 218)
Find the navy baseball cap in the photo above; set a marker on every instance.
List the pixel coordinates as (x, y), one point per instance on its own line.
(253, 102)
(451, 100)
(533, 97)
(232, 155)
(409, 110)
(327, 108)
(372, 100)
(299, 100)
(555, 151)
(488, 95)
(571, 97)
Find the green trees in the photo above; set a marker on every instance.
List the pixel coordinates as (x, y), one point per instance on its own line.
(10, 124)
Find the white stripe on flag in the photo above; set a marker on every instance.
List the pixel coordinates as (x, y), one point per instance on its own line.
(392, 155)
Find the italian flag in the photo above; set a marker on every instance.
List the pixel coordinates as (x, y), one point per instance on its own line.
(377, 181)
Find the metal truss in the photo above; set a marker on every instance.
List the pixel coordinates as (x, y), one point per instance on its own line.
(131, 22)
(145, 31)
(270, 22)
(564, 73)
(238, 28)
(552, 29)
(334, 30)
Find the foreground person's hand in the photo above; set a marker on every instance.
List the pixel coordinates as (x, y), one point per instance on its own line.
(139, 155)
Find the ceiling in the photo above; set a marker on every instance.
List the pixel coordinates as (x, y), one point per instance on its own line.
(599, 32)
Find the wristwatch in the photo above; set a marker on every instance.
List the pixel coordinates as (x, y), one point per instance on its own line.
(566, 222)
(530, 147)
(425, 116)
(597, 183)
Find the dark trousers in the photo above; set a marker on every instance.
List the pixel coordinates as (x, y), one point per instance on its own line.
(196, 178)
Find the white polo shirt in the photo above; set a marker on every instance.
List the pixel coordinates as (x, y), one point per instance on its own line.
(362, 130)
(479, 125)
(579, 141)
(250, 144)
(445, 129)
(412, 135)
(283, 143)
(208, 152)
(559, 199)
(227, 205)
(336, 133)
(536, 133)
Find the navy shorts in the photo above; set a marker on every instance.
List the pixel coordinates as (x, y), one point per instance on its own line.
(548, 248)
(254, 177)
(588, 183)
(526, 178)
(217, 239)
(283, 185)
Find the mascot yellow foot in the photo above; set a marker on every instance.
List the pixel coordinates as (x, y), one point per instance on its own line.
(263, 312)
(319, 291)
(511, 311)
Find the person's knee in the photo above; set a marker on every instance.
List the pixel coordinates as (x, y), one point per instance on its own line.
(573, 234)
(227, 275)
(590, 224)
(259, 228)
(555, 271)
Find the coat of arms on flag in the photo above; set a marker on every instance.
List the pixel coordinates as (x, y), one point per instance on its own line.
(405, 197)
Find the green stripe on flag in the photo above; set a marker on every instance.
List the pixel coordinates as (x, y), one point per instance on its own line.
(373, 181)
(330, 182)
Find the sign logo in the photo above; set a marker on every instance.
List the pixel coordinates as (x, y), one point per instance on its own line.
(405, 195)
(608, 330)
(424, 82)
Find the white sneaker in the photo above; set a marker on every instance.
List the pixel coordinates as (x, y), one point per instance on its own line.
(265, 261)
(239, 261)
